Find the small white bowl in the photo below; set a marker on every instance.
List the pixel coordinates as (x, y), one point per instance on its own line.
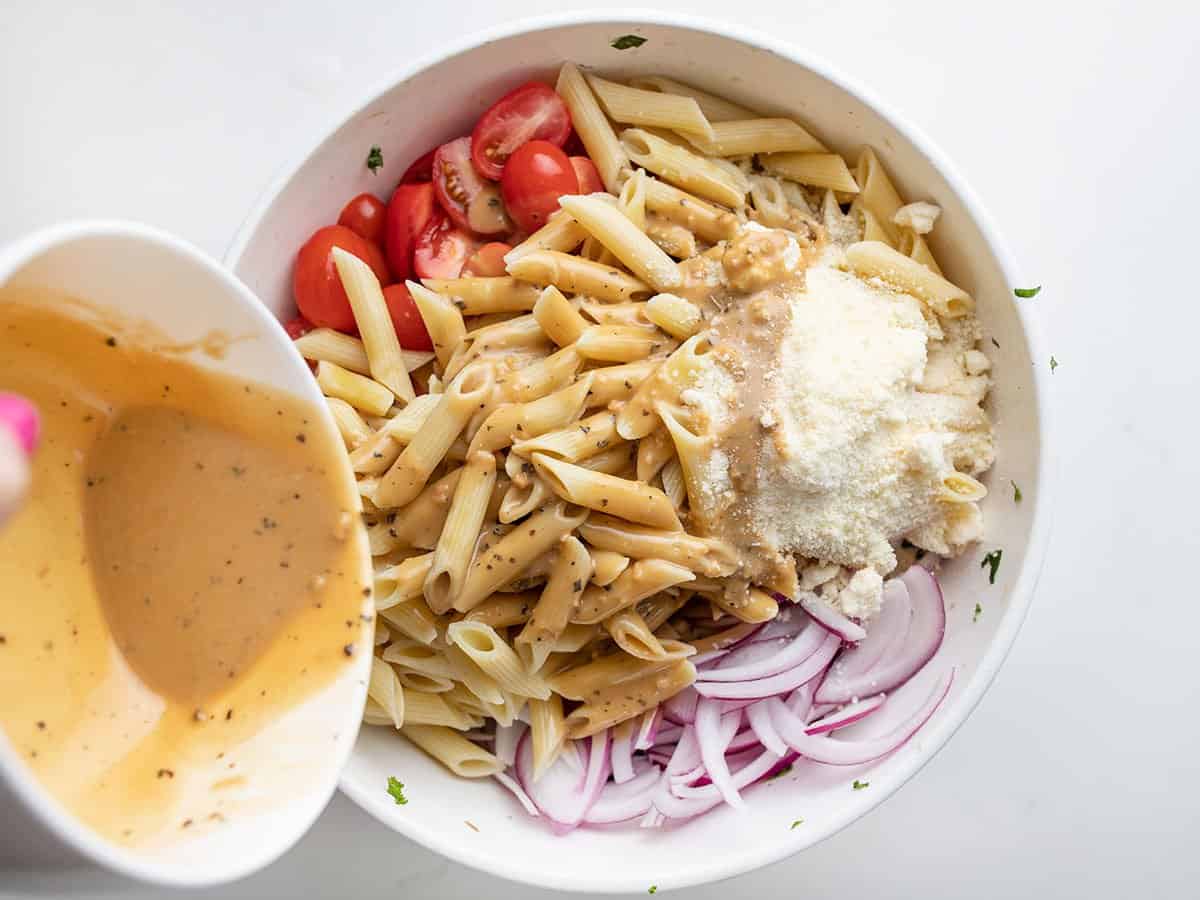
(291, 766)
(438, 98)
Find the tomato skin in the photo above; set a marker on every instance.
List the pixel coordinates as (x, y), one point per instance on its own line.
(587, 174)
(421, 170)
(297, 327)
(471, 203)
(488, 261)
(534, 178)
(365, 215)
(316, 286)
(442, 249)
(406, 318)
(408, 212)
(531, 112)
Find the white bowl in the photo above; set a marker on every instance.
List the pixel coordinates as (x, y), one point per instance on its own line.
(291, 765)
(439, 98)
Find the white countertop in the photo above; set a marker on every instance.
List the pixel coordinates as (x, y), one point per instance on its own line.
(1078, 775)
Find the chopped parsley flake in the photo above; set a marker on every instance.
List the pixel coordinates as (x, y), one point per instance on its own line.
(797, 822)
(1026, 293)
(396, 790)
(978, 612)
(628, 42)
(859, 785)
(992, 560)
(995, 343)
(1016, 492)
(653, 889)
(1053, 365)
(375, 159)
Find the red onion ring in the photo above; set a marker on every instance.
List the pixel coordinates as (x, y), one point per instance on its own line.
(622, 802)
(835, 752)
(826, 615)
(810, 668)
(789, 655)
(713, 733)
(925, 634)
(759, 717)
(847, 715)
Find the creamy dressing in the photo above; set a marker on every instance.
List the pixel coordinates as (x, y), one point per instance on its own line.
(184, 571)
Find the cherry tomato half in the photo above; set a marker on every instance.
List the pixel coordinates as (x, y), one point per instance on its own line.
(442, 249)
(406, 318)
(420, 171)
(297, 327)
(316, 286)
(587, 173)
(469, 201)
(364, 215)
(488, 261)
(534, 178)
(408, 212)
(532, 112)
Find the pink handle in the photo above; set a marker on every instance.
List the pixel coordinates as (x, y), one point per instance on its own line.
(21, 417)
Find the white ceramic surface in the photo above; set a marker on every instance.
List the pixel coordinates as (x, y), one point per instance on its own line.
(437, 98)
(291, 766)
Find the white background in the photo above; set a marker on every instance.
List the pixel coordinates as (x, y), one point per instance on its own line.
(1079, 774)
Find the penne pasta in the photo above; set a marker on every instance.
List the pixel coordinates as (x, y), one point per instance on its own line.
(688, 211)
(561, 233)
(616, 703)
(715, 109)
(684, 169)
(823, 170)
(456, 545)
(558, 318)
(677, 317)
(442, 319)
(547, 731)
(348, 351)
(480, 296)
(455, 752)
(607, 566)
(871, 259)
(575, 442)
(636, 106)
(523, 421)
(577, 275)
(643, 579)
(350, 424)
(624, 239)
(374, 324)
(617, 343)
(746, 137)
(593, 128)
(621, 497)
(358, 391)
(708, 556)
(385, 689)
(496, 658)
(559, 599)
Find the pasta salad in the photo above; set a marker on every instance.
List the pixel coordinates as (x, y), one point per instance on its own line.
(662, 414)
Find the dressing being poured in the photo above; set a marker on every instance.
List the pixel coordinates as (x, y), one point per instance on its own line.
(187, 568)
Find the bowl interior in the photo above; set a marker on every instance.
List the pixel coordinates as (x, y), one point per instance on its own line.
(289, 768)
(441, 100)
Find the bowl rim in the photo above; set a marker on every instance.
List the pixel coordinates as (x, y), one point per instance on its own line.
(936, 734)
(14, 774)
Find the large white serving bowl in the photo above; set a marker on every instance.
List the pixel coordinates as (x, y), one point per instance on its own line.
(438, 98)
(289, 768)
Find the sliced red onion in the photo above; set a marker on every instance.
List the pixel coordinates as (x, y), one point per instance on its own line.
(925, 633)
(687, 753)
(563, 795)
(789, 622)
(621, 802)
(691, 776)
(713, 733)
(810, 668)
(847, 715)
(831, 618)
(759, 717)
(622, 754)
(660, 756)
(517, 791)
(705, 798)
(647, 735)
(668, 734)
(652, 819)
(800, 701)
(790, 653)
(747, 653)
(507, 738)
(706, 658)
(887, 632)
(681, 709)
(834, 752)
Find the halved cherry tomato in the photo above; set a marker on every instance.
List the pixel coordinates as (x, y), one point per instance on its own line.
(488, 261)
(420, 171)
(408, 212)
(587, 173)
(406, 318)
(534, 178)
(442, 249)
(297, 327)
(316, 286)
(532, 112)
(469, 201)
(364, 216)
